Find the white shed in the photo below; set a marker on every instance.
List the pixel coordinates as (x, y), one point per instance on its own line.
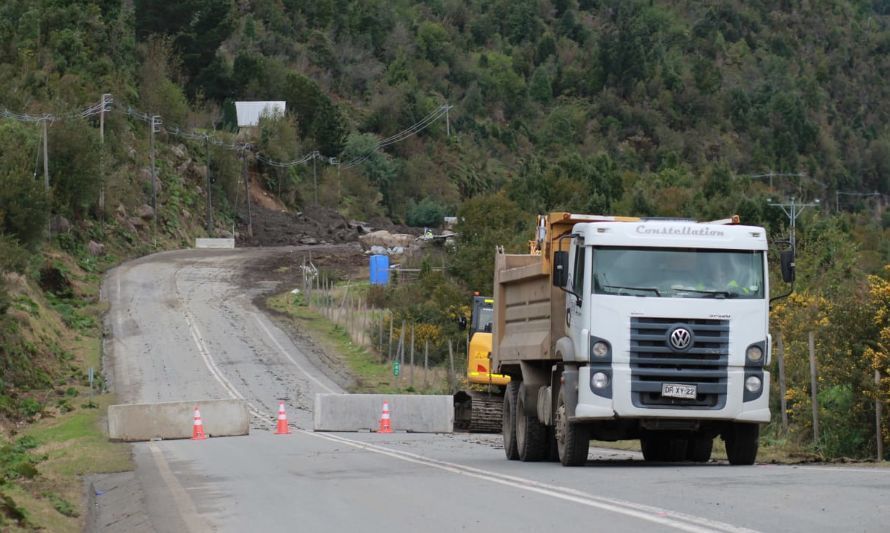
(249, 113)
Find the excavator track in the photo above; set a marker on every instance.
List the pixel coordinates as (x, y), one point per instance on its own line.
(478, 412)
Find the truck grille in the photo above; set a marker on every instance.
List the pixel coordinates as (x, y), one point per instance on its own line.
(654, 361)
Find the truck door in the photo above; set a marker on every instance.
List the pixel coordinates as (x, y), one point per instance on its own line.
(576, 329)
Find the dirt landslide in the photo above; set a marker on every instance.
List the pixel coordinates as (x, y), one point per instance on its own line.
(270, 223)
(317, 225)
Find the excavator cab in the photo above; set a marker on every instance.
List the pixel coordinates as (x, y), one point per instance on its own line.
(479, 351)
(478, 409)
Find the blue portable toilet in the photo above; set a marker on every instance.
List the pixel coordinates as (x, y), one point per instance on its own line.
(379, 270)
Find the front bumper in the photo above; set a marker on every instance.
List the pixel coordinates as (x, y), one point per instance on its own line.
(620, 405)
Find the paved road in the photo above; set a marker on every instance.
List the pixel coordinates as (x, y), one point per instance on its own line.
(183, 327)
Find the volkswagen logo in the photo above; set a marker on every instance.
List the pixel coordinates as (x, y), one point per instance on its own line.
(680, 338)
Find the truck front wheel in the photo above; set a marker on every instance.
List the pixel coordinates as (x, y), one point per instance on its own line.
(572, 440)
(531, 435)
(508, 423)
(741, 443)
(699, 449)
(659, 448)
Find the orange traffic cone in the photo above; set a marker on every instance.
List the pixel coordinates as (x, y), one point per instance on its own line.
(282, 421)
(198, 427)
(385, 426)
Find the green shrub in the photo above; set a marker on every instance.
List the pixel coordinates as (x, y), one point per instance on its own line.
(426, 213)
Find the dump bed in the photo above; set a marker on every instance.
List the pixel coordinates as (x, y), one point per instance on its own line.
(523, 300)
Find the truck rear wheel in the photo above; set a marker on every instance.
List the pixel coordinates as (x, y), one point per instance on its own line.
(508, 423)
(741, 443)
(531, 434)
(699, 449)
(552, 445)
(572, 440)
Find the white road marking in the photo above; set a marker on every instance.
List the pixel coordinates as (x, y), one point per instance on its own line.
(844, 469)
(184, 504)
(289, 358)
(211, 365)
(660, 516)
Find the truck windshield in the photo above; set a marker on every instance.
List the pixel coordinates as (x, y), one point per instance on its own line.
(678, 272)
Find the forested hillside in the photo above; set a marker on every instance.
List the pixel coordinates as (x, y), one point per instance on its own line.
(673, 108)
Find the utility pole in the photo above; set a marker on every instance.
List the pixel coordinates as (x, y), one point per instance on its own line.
(447, 120)
(106, 101)
(45, 157)
(246, 189)
(155, 128)
(335, 161)
(793, 210)
(207, 185)
(49, 223)
(315, 155)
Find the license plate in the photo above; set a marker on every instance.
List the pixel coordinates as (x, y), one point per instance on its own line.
(673, 390)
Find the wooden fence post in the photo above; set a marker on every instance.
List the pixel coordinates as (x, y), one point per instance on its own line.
(380, 336)
(450, 368)
(878, 414)
(390, 337)
(780, 359)
(426, 362)
(813, 387)
(411, 367)
(401, 352)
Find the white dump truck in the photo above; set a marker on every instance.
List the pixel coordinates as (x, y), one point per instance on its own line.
(621, 328)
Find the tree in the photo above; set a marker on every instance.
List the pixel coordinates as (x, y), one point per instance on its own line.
(379, 169)
(23, 205)
(318, 117)
(74, 177)
(197, 28)
(432, 41)
(158, 92)
(485, 222)
(426, 213)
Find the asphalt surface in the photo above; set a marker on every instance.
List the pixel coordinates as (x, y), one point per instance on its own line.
(183, 326)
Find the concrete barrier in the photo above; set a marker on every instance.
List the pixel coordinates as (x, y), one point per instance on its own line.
(174, 420)
(408, 412)
(214, 243)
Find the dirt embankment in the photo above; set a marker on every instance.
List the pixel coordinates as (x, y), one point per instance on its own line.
(271, 224)
(317, 225)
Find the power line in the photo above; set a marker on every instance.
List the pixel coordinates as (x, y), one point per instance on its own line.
(107, 104)
(838, 194)
(402, 135)
(770, 175)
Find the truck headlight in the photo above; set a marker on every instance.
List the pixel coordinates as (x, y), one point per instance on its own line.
(753, 384)
(600, 349)
(754, 353)
(599, 380)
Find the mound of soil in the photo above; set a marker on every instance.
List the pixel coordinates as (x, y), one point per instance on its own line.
(316, 225)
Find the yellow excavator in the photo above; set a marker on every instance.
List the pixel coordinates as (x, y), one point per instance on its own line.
(479, 408)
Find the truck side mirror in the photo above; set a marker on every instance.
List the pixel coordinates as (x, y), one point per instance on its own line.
(462, 323)
(788, 266)
(560, 269)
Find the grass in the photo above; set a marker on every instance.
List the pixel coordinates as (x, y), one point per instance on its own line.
(67, 436)
(67, 447)
(372, 374)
